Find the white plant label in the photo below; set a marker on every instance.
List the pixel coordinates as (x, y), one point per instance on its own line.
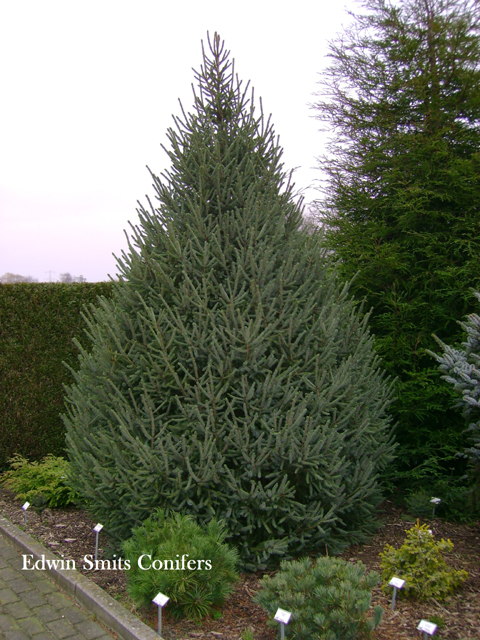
(397, 582)
(98, 528)
(428, 627)
(160, 600)
(25, 506)
(436, 500)
(282, 616)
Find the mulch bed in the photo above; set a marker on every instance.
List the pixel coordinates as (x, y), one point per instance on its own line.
(70, 532)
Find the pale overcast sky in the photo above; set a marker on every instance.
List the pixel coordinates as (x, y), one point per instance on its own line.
(88, 92)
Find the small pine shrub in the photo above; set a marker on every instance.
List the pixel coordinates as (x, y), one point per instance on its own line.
(193, 592)
(420, 562)
(39, 504)
(48, 479)
(329, 599)
(418, 504)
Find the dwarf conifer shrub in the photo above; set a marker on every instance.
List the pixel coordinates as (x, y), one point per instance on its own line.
(329, 598)
(418, 504)
(48, 479)
(456, 504)
(419, 561)
(231, 375)
(193, 566)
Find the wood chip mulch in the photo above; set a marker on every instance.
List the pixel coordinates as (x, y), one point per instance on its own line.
(70, 532)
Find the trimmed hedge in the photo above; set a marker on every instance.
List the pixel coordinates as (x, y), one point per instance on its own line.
(37, 324)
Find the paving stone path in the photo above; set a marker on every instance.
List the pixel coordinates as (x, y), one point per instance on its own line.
(34, 608)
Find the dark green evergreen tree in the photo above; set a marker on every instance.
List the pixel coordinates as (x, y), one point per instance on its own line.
(402, 198)
(231, 375)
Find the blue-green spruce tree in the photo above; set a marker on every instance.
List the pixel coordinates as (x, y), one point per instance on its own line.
(461, 368)
(231, 375)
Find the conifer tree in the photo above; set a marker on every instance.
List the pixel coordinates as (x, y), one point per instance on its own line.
(402, 198)
(461, 368)
(231, 374)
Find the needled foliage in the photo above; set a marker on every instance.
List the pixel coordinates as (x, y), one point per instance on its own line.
(232, 375)
(175, 556)
(402, 199)
(329, 599)
(461, 368)
(457, 501)
(48, 480)
(419, 561)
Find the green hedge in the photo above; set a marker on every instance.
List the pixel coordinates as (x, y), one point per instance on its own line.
(37, 324)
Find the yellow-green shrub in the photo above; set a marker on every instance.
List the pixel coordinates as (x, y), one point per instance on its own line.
(49, 478)
(420, 562)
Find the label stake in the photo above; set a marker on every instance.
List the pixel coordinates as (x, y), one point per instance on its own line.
(160, 600)
(396, 583)
(283, 617)
(97, 528)
(428, 628)
(434, 502)
(25, 507)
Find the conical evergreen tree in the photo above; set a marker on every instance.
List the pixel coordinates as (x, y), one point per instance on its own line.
(401, 205)
(231, 375)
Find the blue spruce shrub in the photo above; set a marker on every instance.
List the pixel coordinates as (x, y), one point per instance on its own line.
(461, 368)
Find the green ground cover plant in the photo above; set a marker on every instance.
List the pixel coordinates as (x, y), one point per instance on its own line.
(48, 479)
(194, 589)
(329, 598)
(419, 561)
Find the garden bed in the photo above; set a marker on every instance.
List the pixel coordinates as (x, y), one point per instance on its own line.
(70, 532)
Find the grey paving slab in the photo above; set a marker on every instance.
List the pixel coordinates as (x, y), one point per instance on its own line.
(31, 625)
(7, 623)
(36, 609)
(33, 605)
(7, 596)
(17, 610)
(63, 629)
(32, 599)
(16, 635)
(47, 613)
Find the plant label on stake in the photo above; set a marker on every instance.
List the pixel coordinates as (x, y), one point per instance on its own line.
(396, 583)
(283, 617)
(25, 507)
(428, 628)
(160, 600)
(435, 501)
(97, 528)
